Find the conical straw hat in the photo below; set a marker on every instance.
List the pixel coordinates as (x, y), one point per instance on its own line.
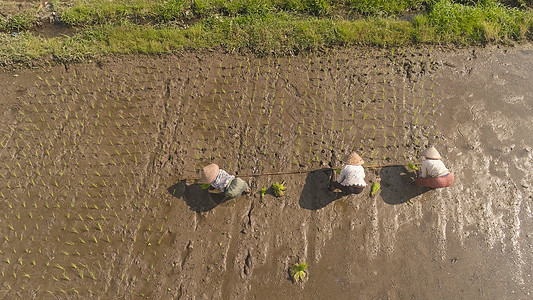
(431, 153)
(210, 173)
(353, 159)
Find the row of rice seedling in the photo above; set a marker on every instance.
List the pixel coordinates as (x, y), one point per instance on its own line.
(74, 185)
(78, 149)
(367, 116)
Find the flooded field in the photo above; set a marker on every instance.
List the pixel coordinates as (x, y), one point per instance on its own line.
(97, 162)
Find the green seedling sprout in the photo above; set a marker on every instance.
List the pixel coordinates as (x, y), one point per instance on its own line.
(375, 188)
(262, 192)
(298, 272)
(412, 167)
(278, 188)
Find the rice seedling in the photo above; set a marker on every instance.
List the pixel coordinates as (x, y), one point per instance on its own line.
(298, 272)
(375, 188)
(278, 188)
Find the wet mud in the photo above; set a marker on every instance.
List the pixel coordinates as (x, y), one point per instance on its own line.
(98, 161)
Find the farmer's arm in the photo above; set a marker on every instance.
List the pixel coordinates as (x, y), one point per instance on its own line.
(342, 175)
(423, 170)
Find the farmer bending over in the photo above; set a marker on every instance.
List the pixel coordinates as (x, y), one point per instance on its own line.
(352, 177)
(432, 172)
(228, 184)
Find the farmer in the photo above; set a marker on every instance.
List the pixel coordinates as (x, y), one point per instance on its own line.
(432, 172)
(352, 177)
(228, 184)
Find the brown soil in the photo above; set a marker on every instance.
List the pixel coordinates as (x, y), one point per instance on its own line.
(95, 157)
(12, 7)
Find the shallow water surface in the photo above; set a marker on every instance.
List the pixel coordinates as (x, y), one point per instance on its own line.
(96, 157)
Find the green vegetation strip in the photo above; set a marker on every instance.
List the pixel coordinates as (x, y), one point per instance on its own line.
(269, 32)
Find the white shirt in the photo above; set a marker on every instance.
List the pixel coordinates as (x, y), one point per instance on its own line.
(433, 168)
(352, 175)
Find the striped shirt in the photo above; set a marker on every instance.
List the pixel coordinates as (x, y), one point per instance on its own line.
(223, 179)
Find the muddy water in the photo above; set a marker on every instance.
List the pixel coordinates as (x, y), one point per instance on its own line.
(94, 158)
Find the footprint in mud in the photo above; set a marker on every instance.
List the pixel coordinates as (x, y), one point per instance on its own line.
(198, 199)
(396, 186)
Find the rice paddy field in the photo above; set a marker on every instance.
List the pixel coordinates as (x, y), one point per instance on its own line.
(99, 161)
(87, 151)
(112, 108)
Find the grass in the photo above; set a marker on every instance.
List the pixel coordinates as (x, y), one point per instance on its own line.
(385, 7)
(263, 27)
(102, 11)
(140, 11)
(482, 23)
(17, 22)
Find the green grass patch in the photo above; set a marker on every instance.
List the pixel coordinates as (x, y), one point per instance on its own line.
(375, 32)
(272, 34)
(385, 7)
(449, 22)
(90, 12)
(265, 33)
(21, 48)
(17, 22)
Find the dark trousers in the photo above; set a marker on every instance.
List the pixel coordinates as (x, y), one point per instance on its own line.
(348, 189)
